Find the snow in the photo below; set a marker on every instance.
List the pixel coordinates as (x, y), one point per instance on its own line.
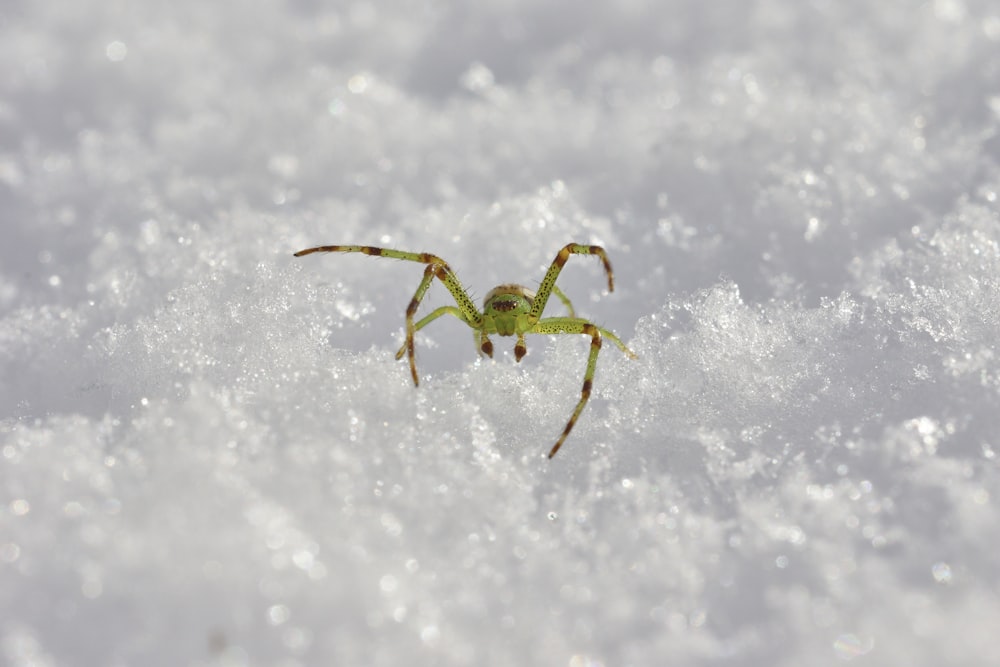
(209, 456)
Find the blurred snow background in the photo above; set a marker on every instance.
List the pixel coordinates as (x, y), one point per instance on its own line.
(209, 456)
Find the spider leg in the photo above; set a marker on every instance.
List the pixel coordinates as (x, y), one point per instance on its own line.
(548, 284)
(485, 345)
(411, 328)
(618, 341)
(565, 299)
(572, 325)
(436, 268)
(520, 349)
(438, 312)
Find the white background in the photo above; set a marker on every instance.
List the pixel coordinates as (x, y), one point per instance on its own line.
(208, 454)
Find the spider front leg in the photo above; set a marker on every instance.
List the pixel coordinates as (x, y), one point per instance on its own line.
(432, 271)
(411, 328)
(548, 284)
(465, 309)
(572, 325)
(427, 319)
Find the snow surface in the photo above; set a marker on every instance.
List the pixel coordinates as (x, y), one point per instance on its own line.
(209, 456)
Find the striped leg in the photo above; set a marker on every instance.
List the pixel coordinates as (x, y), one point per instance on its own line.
(618, 341)
(411, 329)
(558, 325)
(565, 299)
(436, 268)
(549, 281)
(427, 319)
(411, 310)
(442, 272)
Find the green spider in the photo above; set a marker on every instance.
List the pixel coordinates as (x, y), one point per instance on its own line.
(508, 310)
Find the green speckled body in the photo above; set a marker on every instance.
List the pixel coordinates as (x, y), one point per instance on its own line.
(506, 310)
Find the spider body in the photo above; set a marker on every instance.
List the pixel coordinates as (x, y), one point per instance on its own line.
(508, 310)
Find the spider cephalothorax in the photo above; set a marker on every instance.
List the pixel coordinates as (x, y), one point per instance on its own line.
(508, 310)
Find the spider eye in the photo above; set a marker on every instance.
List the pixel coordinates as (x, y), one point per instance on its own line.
(507, 298)
(505, 305)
